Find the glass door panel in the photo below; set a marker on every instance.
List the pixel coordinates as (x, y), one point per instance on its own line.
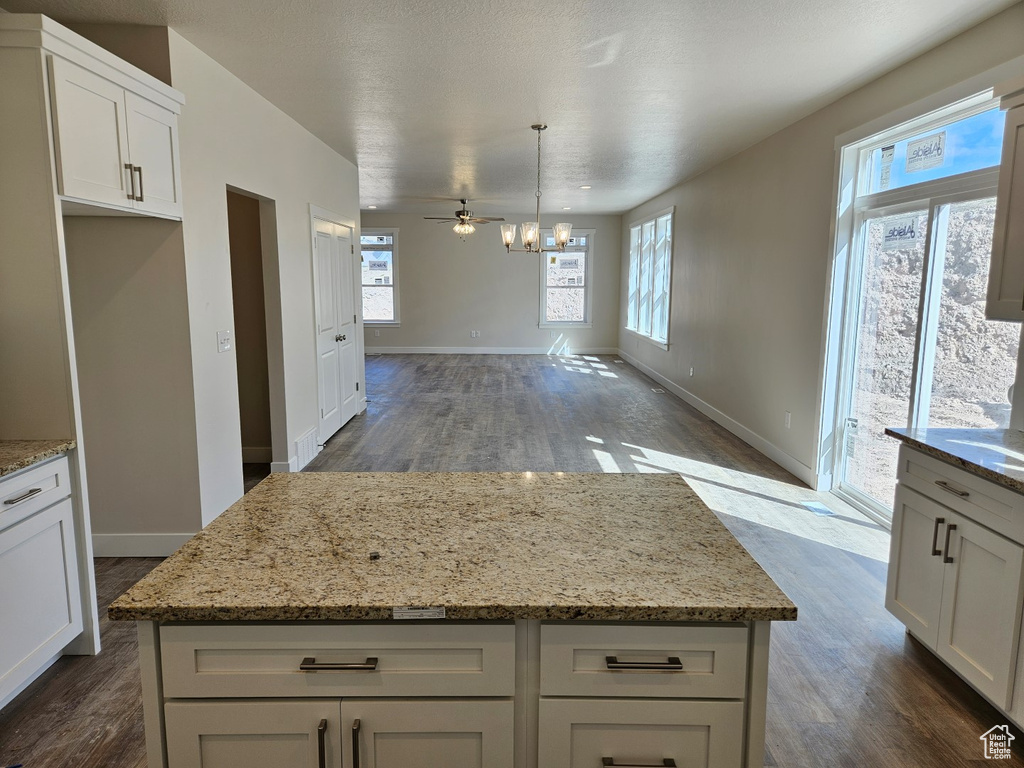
(972, 360)
(889, 299)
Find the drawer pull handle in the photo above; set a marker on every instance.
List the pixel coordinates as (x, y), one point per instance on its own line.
(310, 664)
(668, 762)
(672, 665)
(131, 177)
(321, 742)
(25, 496)
(945, 555)
(356, 725)
(955, 491)
(936, 552)
(139, 196)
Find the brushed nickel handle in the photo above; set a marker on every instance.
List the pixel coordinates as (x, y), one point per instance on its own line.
(668, 762)
(672, 665)
(935, 536)
(131, 178)
(340, 337)
(24, 497)
(945, 555)
(310, 664)
(356, 725)
(321, 742)
(955, 491)
(138, 170)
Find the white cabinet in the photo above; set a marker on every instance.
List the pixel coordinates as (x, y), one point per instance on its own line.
(955, 583)
(112, 146)
(1006, 276)
(40, 609)
(425, 733)
(243, 734)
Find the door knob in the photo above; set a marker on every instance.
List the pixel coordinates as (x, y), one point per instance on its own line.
(339, 337)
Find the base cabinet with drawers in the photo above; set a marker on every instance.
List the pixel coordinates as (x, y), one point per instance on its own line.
(40, 605)
(956, 572)
(523, 694)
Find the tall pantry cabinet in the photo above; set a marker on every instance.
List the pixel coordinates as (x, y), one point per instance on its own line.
(81, 133)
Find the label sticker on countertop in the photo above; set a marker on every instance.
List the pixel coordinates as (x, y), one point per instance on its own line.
(417, 612)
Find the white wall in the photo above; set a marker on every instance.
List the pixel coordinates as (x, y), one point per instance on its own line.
(448, 287)
(751, 256)
(230, 135)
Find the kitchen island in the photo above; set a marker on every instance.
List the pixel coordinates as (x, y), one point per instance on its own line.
(486, 619)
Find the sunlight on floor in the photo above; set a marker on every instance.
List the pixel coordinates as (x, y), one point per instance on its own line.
(759, 500)
(586, 364)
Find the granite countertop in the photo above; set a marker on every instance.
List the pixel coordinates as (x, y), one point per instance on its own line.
(629, 547)
(18, 454)
(994, 454)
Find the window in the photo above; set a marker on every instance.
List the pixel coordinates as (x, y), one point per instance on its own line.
(650, 277)
(916, 349)
(380, 275)
(565, 281)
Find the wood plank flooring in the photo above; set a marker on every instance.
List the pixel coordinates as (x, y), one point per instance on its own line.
(847, 686)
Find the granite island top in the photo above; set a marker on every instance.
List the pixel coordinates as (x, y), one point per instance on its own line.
(604, 547)
(994, 454)
(18, 454)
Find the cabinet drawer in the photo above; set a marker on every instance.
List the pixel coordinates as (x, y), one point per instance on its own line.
(30, 490)
(40, 609)
(411, 659)
(691, 734)
(981, 500)
(575, 660)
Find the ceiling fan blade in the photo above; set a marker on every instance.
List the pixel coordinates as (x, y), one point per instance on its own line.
(480, 221)
(440, 218)
(491, 218)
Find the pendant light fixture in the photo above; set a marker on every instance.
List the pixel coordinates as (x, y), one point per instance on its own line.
(530, 230)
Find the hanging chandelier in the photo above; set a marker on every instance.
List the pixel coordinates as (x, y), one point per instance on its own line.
(530, 230)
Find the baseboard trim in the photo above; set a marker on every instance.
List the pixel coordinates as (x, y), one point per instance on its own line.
(292, 465)
(137, 544)
(257, 455)
(805, 474)
(488, 351)
(11, 695)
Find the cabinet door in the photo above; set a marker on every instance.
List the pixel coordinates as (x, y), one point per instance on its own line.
(40, 607)
(588, 733)
(243, 734)
(913, 590)
(979, 626)
(1005, 299)
(153, 143)
(427, 733)
(90, 135)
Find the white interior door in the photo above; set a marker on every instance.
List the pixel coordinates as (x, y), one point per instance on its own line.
(335, 326)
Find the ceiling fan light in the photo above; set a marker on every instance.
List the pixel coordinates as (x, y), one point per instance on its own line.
(562, 232)
(508, 234)
(530, 230)
(464, 228)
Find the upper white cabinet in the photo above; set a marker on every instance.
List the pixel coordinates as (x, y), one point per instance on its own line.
(1006, 278)
(113, 146)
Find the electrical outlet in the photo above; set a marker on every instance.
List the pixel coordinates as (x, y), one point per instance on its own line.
(789, 419)
(224, 341)
(691, 370)
(376, 331)
(553, 334)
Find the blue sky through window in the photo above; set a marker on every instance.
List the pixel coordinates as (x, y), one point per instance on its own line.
(970, 144)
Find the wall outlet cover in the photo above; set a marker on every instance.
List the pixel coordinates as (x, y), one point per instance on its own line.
(224, 342)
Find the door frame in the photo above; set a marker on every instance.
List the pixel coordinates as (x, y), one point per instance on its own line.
(323, 214)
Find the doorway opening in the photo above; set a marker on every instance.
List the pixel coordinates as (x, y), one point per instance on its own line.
(253, 330)
(913, 240)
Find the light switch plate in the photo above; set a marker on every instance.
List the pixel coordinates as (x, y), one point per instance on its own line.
(224, 342)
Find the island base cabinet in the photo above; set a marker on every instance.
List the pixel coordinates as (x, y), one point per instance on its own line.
(591, 733)
(428, 733)
(243, 734)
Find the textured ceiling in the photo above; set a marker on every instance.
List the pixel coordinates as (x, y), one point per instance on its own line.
(433, 99)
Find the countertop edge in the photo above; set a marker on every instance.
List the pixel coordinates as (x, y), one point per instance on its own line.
(48, 451)
(957, 461)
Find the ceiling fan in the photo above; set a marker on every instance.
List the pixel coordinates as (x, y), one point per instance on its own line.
(464, 220)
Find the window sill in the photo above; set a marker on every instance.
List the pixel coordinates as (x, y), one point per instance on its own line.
(659, 344)
(565, 325)
(381, 324)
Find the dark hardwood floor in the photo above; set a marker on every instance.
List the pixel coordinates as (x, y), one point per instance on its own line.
(847, 686)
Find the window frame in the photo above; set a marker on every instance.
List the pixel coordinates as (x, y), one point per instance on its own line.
(374, 232)
(632, 325)
(588, 280)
